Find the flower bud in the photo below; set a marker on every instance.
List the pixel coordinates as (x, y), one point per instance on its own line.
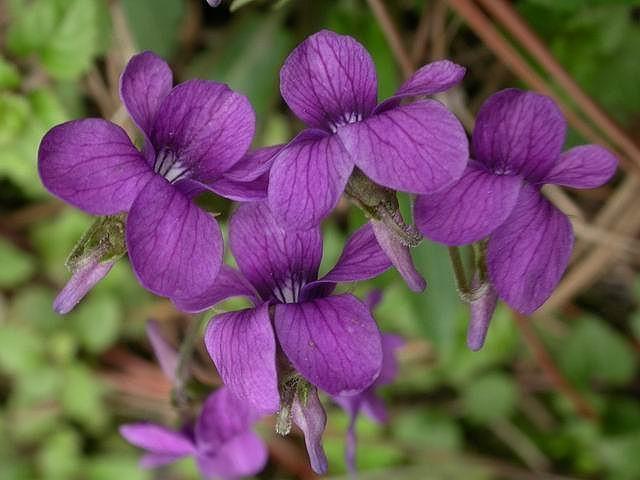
(91, 259)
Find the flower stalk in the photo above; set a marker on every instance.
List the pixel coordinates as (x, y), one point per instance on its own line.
(380, 203)
(185, 357)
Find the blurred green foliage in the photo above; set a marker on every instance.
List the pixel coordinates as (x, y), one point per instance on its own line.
(449, 408)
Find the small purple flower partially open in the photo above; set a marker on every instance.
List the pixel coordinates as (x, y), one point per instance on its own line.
(517, 143)
(222, 441)
(368, 400)
(329, 82)
(195, 138)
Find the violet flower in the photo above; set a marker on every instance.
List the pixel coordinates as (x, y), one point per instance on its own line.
(368, 401)
(195, 136)
(331, 340)
(221, 441)
(517, 141)
(329, 82)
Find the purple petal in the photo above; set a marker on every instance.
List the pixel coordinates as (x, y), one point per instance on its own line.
(417, 148)
(81, 282)
(166, 355)
(432, 78)
(157, 439)
(249, 191)
(399, 255)
(92, 165)
(229, 283)
(155, 460)
(223, 417)
(254, 164)
(587, 166)
(468, 210)
(373, 299)
(329, 80)
(481, 310)
(214, 3)
(243, 347)
(529, 253)
(307, 178)
(174, 247)
(144, 84)
(333, 342)
(277, 262)
(519, 133)
(361, 259)
(205, 127)
(374, 408)
(311, 418)
(240, 457)
(389, 372)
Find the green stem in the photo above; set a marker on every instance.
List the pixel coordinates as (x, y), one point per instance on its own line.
(459, 272)
(185, 355)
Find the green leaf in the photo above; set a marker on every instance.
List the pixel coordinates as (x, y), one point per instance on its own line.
(18, 156)
(96, 322)
(490, 398)
(14, 112)
(20, 350)
(40, 386)
(33, 26)
(75, 41)
(155, 24)
(426, 429)
(17, 266)
(620, 453)
(82, 398)
(110, 467)
(29, 424)
(9, 76)
(439, 307)
(65, 34)
(66, 228)
(595, 352)
(32, 306)
(60, 456)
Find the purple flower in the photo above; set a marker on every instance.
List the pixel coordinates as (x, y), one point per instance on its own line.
(368, 400)
(331, 340)
(221, 441)
(214, 3)
(517, 142)
(195, 136)
(329, 82)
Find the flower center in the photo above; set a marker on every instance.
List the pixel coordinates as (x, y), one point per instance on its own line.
(168, 165)
(345, 119)
(288, 290)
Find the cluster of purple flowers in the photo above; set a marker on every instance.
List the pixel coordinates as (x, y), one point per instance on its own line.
(301, 336)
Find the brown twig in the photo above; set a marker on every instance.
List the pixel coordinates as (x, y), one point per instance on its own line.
(421, 37)
(483, 27)
(504, 12)
(393, 37)
(438, 30)
(546, 363)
